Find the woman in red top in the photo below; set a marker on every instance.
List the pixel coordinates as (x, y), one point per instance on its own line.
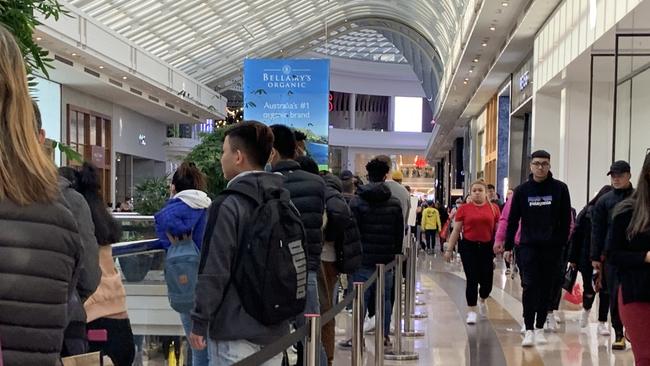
(477, 220)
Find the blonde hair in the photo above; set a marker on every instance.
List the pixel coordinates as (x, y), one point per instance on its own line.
(26, 174)
(479, 182)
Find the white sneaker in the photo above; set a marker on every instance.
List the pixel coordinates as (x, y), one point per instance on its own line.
(523, 328)
(471, 318)
(584, 318)
(540, 338)
(483, 309)
(558, 318)
(603, 329)
(529, 339)
(369, 325)
(551, 325)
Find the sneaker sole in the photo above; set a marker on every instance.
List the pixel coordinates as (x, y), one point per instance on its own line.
(619, 348)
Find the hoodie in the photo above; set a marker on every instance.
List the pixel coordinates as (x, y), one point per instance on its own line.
(381, 224)
(185, 213)
(500, 236)
(544, 209)
(224, 315)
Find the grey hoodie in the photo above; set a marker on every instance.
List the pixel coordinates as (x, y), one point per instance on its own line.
(231, 322)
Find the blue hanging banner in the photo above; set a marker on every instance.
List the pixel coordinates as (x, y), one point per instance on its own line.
(294, 93)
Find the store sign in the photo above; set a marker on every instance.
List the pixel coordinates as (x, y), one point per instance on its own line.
(294, 93)
(98, 157)
(524, 80)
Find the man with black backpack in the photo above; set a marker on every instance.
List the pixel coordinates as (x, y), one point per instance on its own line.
(308, 194)
(252, 274)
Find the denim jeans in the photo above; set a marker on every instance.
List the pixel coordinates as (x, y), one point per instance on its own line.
(226, 353)
(362, 275)
(312, 306)
(199, 358)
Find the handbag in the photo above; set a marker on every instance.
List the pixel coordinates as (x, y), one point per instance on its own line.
(570, 276)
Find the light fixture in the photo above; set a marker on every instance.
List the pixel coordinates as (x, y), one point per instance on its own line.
(465, 82)
(504, 4)
(466, 79)
(101, 67)
(471, 71)
(475, 60)
(74, 54)
(484, 44)
(38, 38)
(493, 28)
(124, 77)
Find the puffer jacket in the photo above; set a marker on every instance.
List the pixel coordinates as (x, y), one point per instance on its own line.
(341, 228)
(308, 194)
(185, 213)
(379, 216)
(601, 221)
(41, 256)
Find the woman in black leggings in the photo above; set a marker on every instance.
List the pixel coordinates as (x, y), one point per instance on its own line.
(477, 220)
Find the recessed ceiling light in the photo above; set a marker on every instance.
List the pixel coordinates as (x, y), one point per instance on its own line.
(484, 44)
(504, 4)
(101, 67)
(475, 60)
(124, 77)
(74, 54)
(466, 79)
(493, 28)
(471, 71)
(465, 82)
(38, 38)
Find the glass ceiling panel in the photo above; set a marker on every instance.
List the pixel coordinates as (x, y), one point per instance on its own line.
(260, 28)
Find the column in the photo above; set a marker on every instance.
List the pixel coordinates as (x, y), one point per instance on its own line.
(352, 111)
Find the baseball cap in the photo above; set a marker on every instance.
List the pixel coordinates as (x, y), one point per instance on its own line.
(346, 174)
(619, 167)
(541, 154)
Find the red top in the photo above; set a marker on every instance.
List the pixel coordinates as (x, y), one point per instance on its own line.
(479, 222)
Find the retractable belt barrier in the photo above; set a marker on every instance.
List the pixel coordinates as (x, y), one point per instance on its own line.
(282, 344)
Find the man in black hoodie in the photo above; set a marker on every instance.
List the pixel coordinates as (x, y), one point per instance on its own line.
(380, 220)
(308, 195)
(601, 232)
(543, 205)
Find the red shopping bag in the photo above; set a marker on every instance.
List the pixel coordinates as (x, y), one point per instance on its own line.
(444, 232)
(575, 296)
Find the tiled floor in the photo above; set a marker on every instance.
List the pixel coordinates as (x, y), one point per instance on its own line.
(496, 340)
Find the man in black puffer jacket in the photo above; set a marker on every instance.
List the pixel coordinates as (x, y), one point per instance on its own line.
(381, 224)
(308, 195)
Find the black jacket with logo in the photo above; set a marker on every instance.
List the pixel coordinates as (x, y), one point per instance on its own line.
(308, 194)
(380, 220)
(544, 209)
(601, 221)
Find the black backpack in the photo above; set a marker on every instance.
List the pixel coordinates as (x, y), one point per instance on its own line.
(270, 269)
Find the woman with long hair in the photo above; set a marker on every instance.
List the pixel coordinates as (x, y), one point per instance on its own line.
(630, 254)
(39, 241)
(477, 220)
(184, 216)
(106, 308)
(579, 258)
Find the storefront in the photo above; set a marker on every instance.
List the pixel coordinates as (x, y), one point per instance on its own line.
(519, 127)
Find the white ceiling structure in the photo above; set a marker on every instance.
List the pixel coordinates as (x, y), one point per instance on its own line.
(210, 39)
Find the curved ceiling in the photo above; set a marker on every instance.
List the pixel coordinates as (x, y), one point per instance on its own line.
(209, 39)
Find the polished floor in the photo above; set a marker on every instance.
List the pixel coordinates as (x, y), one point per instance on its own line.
(492, 341)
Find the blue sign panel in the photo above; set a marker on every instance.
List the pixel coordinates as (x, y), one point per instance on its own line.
(293, 93)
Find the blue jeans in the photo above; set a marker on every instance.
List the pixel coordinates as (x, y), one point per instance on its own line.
(199, 358)
(362, 275)
(226, 353)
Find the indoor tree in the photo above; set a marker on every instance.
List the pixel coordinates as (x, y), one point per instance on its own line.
(207, 157)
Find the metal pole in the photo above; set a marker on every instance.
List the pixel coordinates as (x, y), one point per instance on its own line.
(397, 354)
(357, 325)
(312, 347)
(409, 329)
(414, 302)
(379, 314)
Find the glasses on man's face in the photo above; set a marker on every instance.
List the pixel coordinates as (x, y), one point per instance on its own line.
(540, 164)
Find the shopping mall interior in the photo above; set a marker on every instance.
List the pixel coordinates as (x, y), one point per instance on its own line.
(453, 91)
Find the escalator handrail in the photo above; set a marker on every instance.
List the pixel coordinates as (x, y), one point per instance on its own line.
(127, 248)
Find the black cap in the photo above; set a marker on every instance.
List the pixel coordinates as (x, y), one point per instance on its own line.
(346, 174)
(619, 167)
(542, 154)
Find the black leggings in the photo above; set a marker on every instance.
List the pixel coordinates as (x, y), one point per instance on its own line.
(119, 347)
(479, 269)
(431, 238)
(589, 295)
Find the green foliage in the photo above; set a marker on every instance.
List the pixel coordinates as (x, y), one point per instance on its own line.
(312, 137)
(207, 157)
(151, 195)
(19, 17)
(69, 153)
